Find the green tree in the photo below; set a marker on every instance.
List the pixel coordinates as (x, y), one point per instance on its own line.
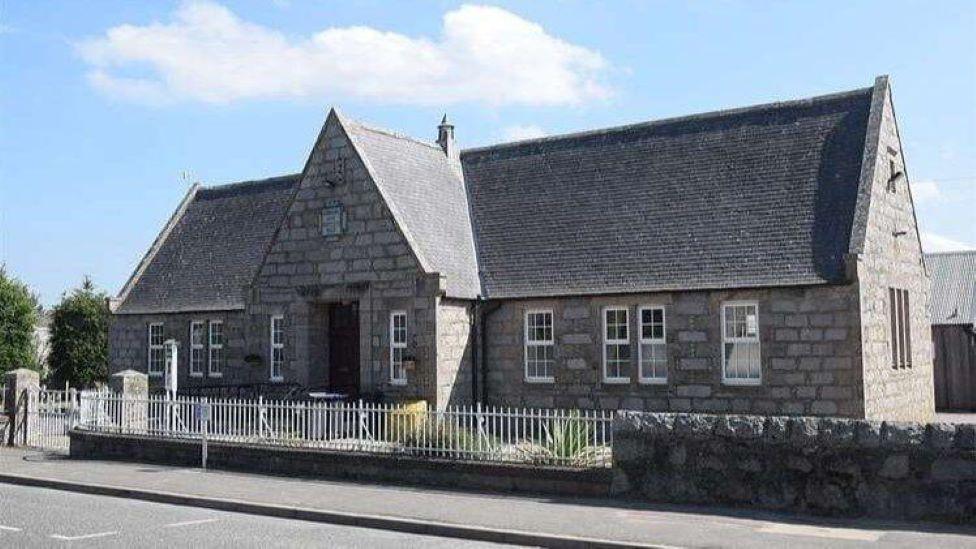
(18, 315)
(79, 337)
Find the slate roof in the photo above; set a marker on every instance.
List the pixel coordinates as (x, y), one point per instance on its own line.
(752, 197)
(760, 196)
(213, 250)
(953, 299)
(428, 200)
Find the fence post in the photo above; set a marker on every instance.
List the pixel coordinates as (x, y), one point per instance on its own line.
(22, 387)
(72, 418)
(260, 417)
(205, 413)
(132, 388)
(482, 435)
(359, 438)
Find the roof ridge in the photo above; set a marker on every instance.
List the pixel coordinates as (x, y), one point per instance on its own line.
(392, 133)
(953, 252)
(676, 119)
(234, 184)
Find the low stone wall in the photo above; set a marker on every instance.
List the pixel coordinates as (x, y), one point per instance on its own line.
(815, 465)
(336, 465)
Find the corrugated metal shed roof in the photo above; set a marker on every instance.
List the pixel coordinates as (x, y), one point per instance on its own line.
(953, 299)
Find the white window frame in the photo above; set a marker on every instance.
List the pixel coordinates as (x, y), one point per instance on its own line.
(219, 347)
(641, 341)
(396, 344)
(276, 366)
(529, 342)
(748, 339)
(606, 341)
(157, 347)
(194, 347)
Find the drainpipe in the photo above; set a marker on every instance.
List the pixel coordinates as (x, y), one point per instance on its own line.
(479, 374)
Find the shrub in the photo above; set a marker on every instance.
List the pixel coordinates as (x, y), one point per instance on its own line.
(568, 441)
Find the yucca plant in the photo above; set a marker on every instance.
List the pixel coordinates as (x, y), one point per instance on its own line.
(568, 439)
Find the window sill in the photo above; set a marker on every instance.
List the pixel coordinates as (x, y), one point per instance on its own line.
(212, 374)
(276, 379)
(155, 374)
(540, 380)
(742, 382)
(616, 381)
(196, 374)
(398, 382)
(654, 381)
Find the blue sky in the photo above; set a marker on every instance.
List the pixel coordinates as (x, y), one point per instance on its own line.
(103, 105)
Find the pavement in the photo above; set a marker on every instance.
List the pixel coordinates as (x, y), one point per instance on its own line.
(43, 517)
(502, 518)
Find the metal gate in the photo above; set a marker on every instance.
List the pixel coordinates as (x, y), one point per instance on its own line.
(49, 416)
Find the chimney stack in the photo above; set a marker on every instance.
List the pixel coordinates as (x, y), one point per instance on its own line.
(445, 138)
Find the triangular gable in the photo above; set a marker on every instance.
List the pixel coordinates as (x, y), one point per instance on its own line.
(874, 163)
(427, 199)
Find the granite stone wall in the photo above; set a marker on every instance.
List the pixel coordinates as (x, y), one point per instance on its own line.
(370, 264)
(892, 258)
(306, 462)
(129, 346)
(454, 353)
(810, 348)
(825, 466)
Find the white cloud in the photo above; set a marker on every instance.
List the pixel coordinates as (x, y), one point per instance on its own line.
(926, 191)
(932, 242)
(207, 53)
(520, 132)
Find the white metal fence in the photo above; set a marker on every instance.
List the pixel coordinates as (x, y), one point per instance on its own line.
(50, 415)
(576, 438)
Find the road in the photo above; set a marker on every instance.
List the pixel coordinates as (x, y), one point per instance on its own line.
(39, 517)
(41, 513)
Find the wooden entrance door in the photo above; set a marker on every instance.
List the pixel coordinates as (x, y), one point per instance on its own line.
(344, 349)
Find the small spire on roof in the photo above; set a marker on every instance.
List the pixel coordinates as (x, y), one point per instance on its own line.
(445, 138)
(445, 135)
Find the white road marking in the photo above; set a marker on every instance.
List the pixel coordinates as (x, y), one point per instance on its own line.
(821, 532)
(9, 528)
(86, 536)
(190, 523)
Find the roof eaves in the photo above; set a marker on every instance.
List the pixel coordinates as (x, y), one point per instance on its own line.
(155, 247)
(187, 309)
(730, 286)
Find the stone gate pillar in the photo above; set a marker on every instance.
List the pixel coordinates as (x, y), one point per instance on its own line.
(133, 388)
(22, 387)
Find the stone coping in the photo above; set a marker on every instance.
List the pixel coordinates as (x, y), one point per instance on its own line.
(798, 431)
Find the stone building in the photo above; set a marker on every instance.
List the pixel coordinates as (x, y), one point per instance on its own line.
(763, 259)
